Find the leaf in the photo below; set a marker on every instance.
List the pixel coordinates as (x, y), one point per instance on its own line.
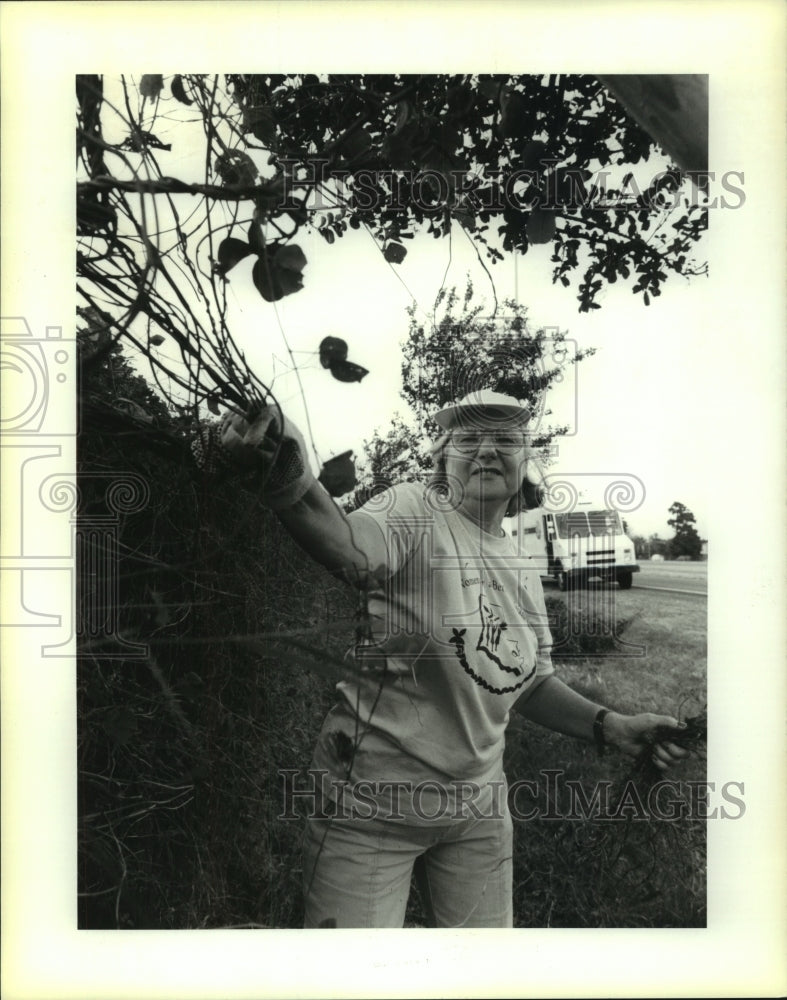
(213, 405)
(347, 371)
(269, 195)
(394, 253)
(260, 122)
(290, 257)
(447, 138)
(460, 99)
(338, 474)
(398, 150)
(541, 225)
(465, 218)
(517, 118)
(533, 153)
(138, 140)
(262, 274)
(157, 340)
(332, 349)
(288, 281)
(403, 112)
(356, 144)
(256, 237)
(272, 281)
(230, 253)
(236, 167)
(150, 85)
(489, 87)
(178, 91)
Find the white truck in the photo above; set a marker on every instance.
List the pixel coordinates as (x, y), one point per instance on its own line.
(588, 542)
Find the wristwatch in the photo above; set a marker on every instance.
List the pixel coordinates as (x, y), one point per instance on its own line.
(598, 731)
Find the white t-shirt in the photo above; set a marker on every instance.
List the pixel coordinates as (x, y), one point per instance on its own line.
(459, 634)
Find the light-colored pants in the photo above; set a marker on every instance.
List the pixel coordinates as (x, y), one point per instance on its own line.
(357, 873)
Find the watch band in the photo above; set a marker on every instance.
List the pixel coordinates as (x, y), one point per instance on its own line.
(598, 731)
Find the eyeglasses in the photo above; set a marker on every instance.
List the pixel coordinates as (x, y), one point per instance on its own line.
(506, 442)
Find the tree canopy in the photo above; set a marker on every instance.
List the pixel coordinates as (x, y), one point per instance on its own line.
(686, 541)
(182, 177)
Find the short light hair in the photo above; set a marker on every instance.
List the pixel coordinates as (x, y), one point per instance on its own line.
(528, 496)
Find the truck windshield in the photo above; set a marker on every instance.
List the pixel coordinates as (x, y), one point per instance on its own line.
(585, 523)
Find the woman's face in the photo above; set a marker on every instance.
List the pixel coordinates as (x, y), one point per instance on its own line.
(485, 464)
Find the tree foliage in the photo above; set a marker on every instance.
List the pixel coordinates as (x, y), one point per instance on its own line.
(467, 348)
(505, 161)
(470, 348)
(686, 541)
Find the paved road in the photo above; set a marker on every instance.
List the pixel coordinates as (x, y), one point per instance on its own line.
(682, 578)
(688, 577)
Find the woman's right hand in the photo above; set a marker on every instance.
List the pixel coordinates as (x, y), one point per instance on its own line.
(245, 442)
(274, 445)
(269, 445)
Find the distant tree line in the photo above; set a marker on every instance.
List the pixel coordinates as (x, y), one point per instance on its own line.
(685, 543)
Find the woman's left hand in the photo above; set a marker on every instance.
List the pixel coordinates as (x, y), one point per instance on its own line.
(638, 735)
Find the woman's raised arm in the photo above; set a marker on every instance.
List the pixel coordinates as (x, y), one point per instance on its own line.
(351, 546)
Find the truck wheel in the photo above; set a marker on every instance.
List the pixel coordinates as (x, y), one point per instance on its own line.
(625, 579)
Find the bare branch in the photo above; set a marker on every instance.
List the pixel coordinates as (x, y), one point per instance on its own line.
(171, 185)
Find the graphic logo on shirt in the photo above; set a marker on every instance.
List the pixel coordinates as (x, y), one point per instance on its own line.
(493, 645)
(493, 642)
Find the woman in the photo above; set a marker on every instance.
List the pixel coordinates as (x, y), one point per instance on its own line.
(410, 759)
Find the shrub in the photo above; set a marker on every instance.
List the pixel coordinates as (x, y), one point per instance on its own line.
(581, 630)
(181, 738)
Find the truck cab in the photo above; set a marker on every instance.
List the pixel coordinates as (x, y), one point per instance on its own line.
(575, 547)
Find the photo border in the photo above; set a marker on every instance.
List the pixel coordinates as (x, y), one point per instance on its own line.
(741, 952)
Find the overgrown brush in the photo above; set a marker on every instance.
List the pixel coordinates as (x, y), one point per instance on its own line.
(181, 739)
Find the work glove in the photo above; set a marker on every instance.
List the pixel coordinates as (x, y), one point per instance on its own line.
(270, 445)
(209, 453)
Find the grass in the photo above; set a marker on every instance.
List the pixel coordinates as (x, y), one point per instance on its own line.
(599, 872)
